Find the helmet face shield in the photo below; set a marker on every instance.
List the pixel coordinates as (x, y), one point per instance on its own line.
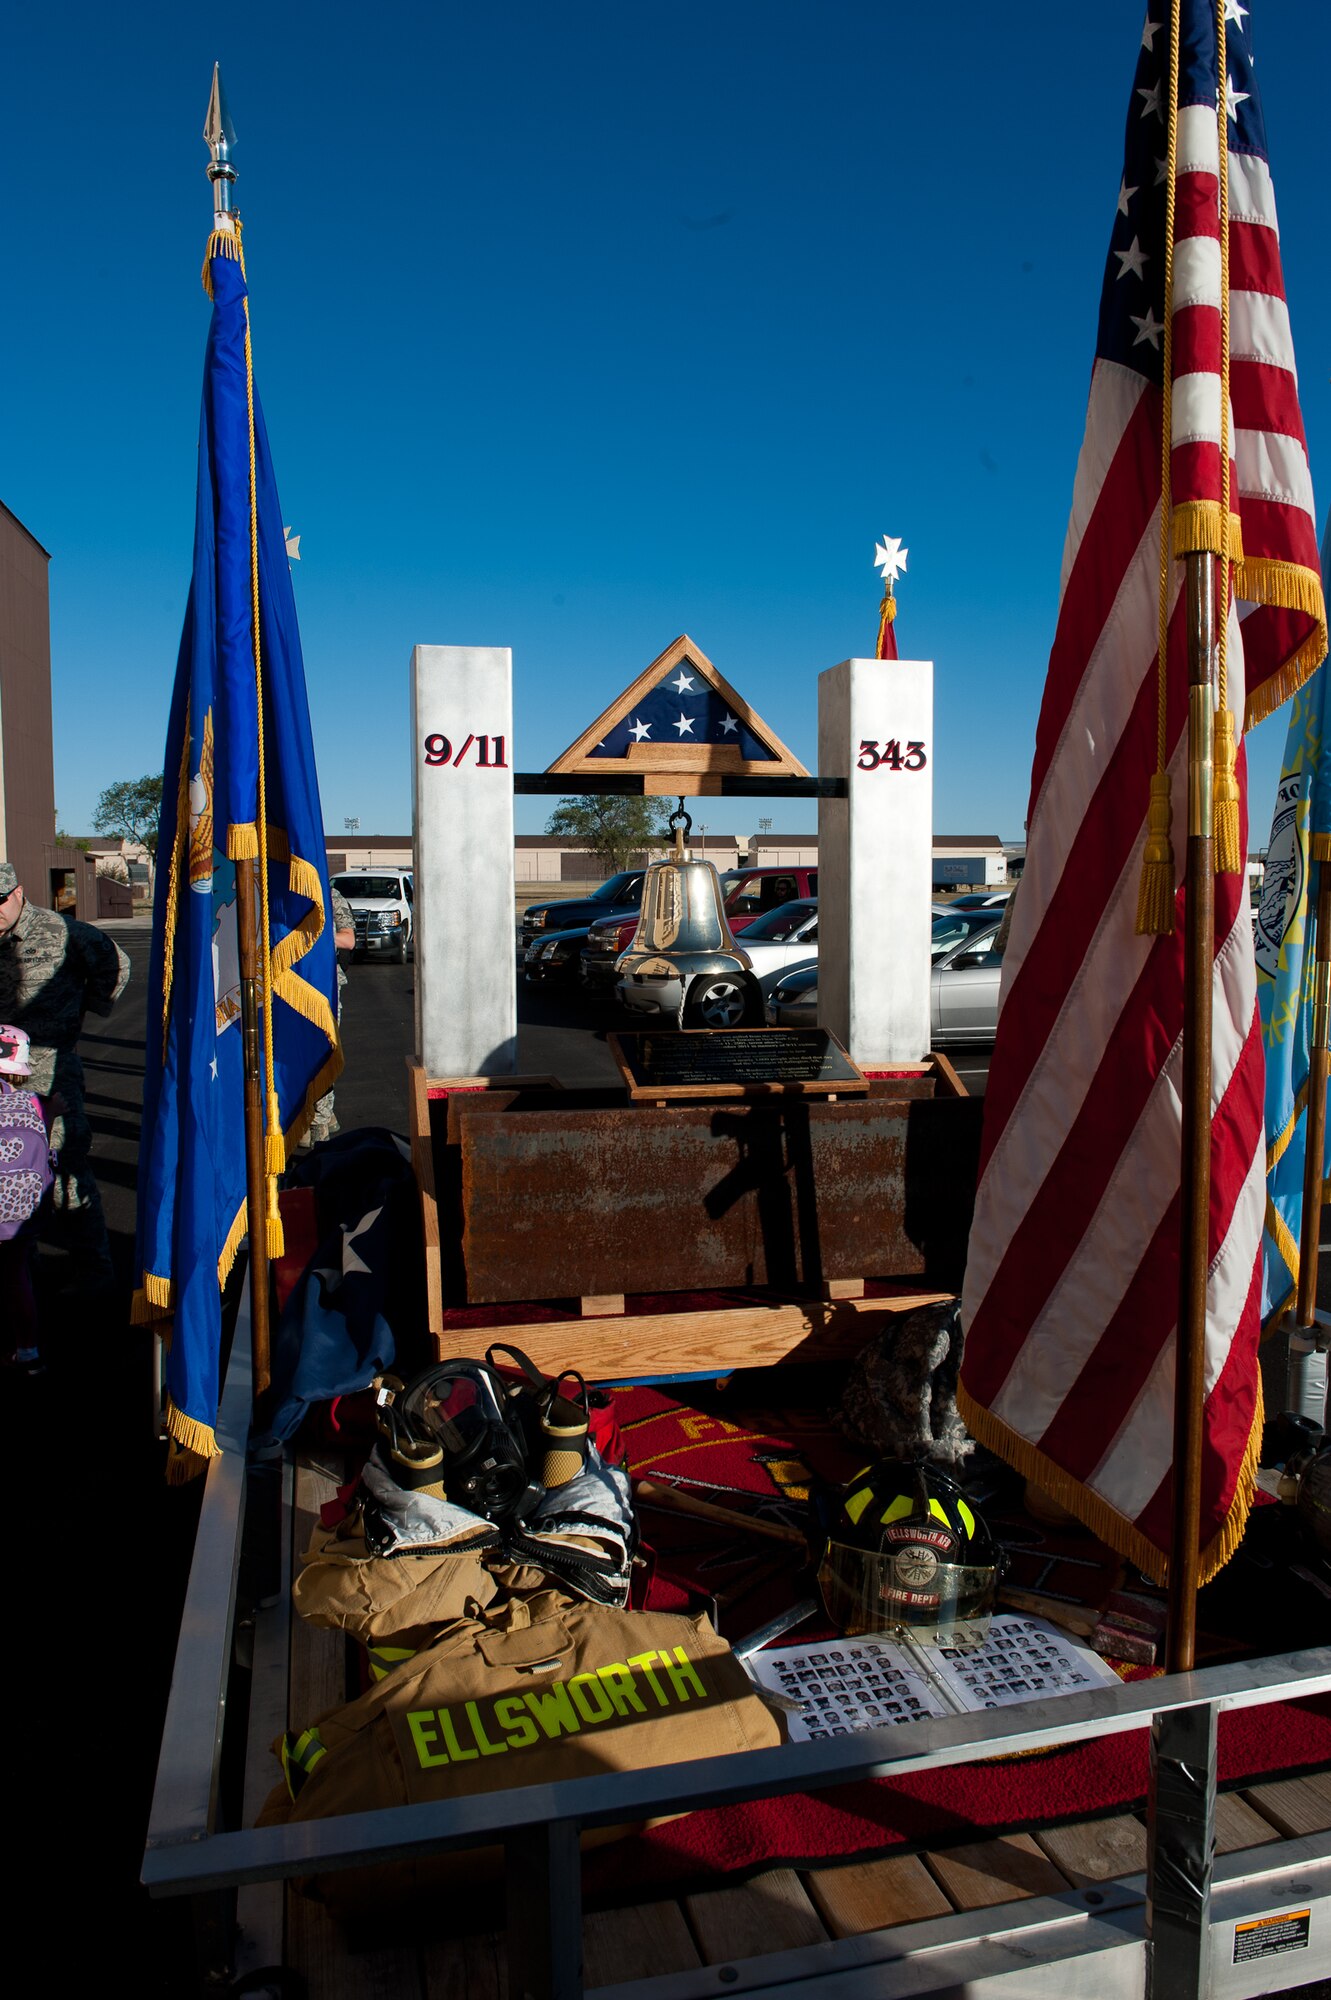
(907, 1585)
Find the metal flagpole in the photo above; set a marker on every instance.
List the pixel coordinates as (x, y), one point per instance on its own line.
(220, 138)
(1195, 1188)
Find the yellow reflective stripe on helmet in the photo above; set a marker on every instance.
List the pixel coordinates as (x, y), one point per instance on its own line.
(857, 1502)
(903, 1504)
(968, 1519)
(383, 1659)
(299, 1757)
(939, 1512)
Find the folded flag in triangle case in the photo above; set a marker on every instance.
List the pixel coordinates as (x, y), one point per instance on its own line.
(1286, 972)
(239, 791)
(1072, 1286)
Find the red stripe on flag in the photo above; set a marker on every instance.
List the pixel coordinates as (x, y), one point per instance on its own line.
(1197, 343)
(1266, 398)
(1254, 259)
(1119, 519)
(1196, 206)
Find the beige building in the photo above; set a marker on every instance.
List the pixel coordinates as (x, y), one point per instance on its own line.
(27, 772)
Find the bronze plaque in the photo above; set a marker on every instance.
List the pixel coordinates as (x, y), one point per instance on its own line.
(735, 1062)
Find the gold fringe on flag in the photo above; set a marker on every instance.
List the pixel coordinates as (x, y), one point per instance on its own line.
(1155, 895)
(151, 1299)
(1104, 1521)
(887, 611)
(222, 243)
(190, 1446)
(1228, 859)
(235, 1236)
(242, 842)
(1200, 525)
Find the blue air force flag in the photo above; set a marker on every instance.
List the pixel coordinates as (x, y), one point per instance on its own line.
(1286, 971)
(239, 787)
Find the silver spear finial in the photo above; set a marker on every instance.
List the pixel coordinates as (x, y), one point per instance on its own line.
(220, 135)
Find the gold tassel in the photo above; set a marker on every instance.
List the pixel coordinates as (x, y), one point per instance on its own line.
(182, 1464)
(1155, 897)
(275, 1235)
(274, 1145)
(887, 612)
(1228, 860)
(242, 842)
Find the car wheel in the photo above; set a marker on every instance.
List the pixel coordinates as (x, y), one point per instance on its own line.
(720, 1002)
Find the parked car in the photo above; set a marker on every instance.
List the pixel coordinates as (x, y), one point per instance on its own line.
(781, 938)
(793, 1001)
(963, 989)
(981, 899)
(605, 940)
(952, 925)
(620, 894)
(553, 956)
(750, 892)
(381, 902)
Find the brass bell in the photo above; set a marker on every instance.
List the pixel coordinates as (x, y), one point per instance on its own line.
(683, 962)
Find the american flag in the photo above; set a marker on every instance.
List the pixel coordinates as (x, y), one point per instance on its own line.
(684, 707)
(1071, 1292)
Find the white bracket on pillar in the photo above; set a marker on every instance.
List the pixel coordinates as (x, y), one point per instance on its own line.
(462, 836)
(875, 858)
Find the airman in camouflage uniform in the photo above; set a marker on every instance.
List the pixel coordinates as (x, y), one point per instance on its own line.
(324, 1123)
(53, 970)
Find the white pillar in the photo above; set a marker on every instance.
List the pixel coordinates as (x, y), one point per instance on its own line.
(875, 858)
(462, 820)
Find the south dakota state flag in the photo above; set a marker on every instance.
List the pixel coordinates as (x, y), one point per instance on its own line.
(1286, 972)
(239, 788)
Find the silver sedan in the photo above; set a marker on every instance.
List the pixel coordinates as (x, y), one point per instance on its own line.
(963, 992)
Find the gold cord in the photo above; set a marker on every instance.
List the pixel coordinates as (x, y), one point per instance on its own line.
(1155, 895)
(274, 1149)
(1228, 859)
(886, 613)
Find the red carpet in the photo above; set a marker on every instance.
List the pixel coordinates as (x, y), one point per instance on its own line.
(721, 1448)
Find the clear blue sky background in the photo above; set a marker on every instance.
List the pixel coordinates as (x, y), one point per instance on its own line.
(580, 327)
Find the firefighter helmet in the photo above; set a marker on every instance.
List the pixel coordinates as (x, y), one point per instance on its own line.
(902, 1545)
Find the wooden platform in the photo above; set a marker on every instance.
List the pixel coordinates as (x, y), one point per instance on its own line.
(775, 1911)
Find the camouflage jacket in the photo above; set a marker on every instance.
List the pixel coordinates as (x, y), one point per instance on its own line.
(344, 919)
(53, 970)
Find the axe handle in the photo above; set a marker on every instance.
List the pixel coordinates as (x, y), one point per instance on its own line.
(650, 1494)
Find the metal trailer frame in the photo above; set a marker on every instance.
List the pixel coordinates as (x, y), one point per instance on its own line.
(1171, 1934)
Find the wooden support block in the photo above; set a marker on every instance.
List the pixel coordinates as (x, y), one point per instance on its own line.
(1296, 1805)
(636, 1943)
(602, 1305)
(871, 1895)
(841, 1288)
(465, 1968)
(317, 1951)
(1097, 1850)
(995, 1871)
(769, 1913)
(1237, 1825)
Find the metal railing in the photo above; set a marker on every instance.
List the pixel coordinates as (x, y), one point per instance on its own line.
(189, 1853)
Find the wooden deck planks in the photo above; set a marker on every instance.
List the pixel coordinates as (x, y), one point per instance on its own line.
(995, 1871)
(1237, 1825)
(770, 1913)
(1096, 1850)
(1295, 1805)
(635, 1943)
(871, 1895)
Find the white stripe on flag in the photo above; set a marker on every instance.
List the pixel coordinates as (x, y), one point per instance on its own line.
(1198, 150)
(1196, 274)
(1259, 331)
(1115, 394)
(1272, 467)
(1252, 198)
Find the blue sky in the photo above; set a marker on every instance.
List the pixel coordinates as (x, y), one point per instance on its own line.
(577, 328)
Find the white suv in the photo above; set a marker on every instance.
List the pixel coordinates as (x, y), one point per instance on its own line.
(381, 903)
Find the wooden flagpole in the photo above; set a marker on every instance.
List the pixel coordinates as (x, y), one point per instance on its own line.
(1195, 1186)
(1310, 1233)
(219, 138)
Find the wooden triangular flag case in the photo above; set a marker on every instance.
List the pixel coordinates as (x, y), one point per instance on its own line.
(680, 719)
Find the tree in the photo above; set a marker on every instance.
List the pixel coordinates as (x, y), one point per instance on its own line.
(130, 808)
(615, 829)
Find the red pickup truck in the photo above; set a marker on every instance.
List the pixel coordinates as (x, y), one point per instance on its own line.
(751, 891)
